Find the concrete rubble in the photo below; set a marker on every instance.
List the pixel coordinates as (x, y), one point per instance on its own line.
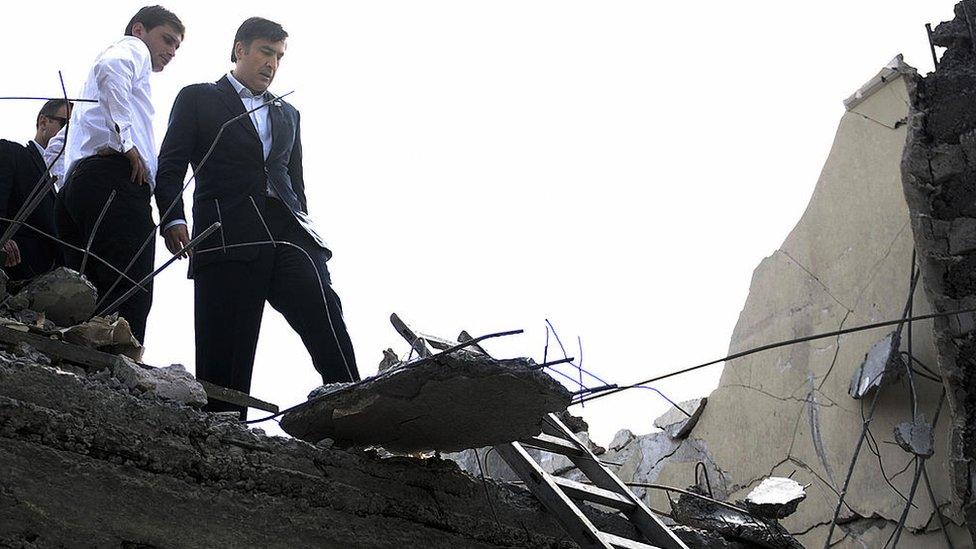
(433, 404)
(774, 498)
(678, 422)
(881, 366)
(112, 335)
(731, 524)
(108, 458)
(64, 296)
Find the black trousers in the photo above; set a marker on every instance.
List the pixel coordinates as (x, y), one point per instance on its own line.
(126, 225)
(229, 299)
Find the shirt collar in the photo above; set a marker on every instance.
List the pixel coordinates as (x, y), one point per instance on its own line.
(241, 89)
(40, 149)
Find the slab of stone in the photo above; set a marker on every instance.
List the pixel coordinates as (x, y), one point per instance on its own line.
(63, 295)
(678, 423)
(706, 515)
(171, 383)
(450, 403)
(775, 498)
(880, 367)
(111, 335)
(916, 437)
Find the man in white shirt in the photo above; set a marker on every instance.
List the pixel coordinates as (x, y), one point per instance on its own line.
(111, 147)
(30, 253)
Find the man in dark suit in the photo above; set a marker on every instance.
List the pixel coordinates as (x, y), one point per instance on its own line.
(266, 249)
(30, 253)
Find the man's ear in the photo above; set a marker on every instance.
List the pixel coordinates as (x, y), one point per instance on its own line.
(37, 124)
(138, 30)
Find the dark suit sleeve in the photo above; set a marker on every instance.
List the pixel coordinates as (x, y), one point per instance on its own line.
(295, 165)
(174, 156)
(7, 175)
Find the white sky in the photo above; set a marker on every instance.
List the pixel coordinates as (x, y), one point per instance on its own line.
(619, 168)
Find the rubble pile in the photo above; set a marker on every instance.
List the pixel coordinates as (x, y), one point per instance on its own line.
(99, 450)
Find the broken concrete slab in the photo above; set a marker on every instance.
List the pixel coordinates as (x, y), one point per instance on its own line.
(109, 334)
(916, 436)
(171, 383)
(696, 538)
(449, 403)
(881, 366)
(63, 295)
(774, 498)
(679, 422)
(707, 515)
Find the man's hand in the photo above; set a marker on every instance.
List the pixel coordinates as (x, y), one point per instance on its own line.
(13, 254)
(140, 174)
(176, 238)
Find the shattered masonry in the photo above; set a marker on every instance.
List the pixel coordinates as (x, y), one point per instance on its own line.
(939, 169)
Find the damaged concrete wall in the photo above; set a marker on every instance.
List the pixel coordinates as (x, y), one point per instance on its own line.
(939, 170)
(787, 412)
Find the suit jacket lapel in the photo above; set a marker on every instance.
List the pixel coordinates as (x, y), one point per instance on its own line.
(278, 126)
(236, 106)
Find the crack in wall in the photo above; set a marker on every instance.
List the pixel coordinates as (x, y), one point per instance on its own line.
(815, 278)
(833, 362)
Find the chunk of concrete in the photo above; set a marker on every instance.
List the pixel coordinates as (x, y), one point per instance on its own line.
(775, 498)
(450, 403)
(63, 295)
(678, 423)
(390, 359)
(916, 437)
(171, 383)
(707, 515)
(110, 334)
(880, 367)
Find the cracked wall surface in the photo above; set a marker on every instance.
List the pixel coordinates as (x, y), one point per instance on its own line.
(787, 412)
(939, 176)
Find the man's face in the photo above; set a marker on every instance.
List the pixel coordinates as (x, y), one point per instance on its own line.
(162, 41)
(47, 126)
(258, 63)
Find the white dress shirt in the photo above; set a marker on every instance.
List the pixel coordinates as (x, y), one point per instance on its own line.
(52, 151)
(122, 118)
(261, 118)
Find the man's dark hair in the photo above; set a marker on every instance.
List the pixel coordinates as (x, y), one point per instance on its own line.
(154, 16)
(253, 29)
(51, 108)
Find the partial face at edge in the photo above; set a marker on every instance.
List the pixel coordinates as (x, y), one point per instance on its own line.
(162, 41)
(257, 64)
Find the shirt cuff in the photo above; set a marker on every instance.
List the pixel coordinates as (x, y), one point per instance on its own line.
(173, 223)
(125, 140)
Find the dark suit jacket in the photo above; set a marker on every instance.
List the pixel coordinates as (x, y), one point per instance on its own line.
(235, 172)
(20, 169)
